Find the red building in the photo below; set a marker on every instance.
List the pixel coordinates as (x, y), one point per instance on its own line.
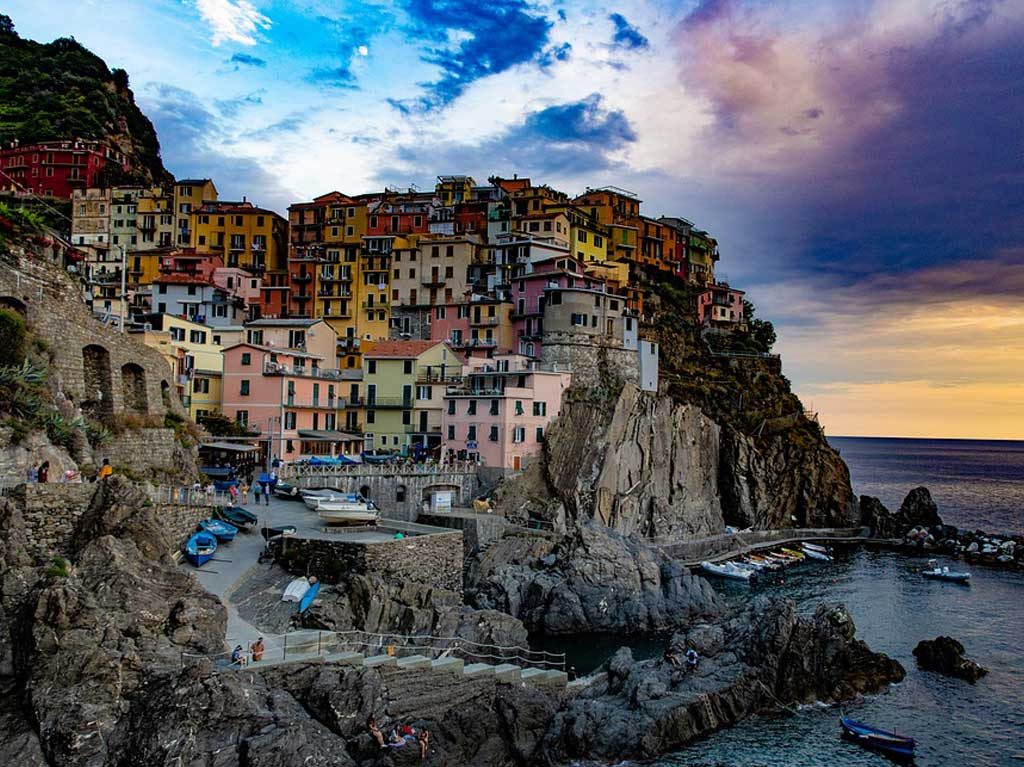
(57, 168)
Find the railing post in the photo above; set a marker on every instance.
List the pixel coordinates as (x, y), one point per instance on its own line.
(319, 643)
(284, 648)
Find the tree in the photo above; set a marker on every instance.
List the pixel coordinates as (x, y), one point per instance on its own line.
(762, 332)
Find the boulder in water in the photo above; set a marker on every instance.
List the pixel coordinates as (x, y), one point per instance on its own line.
(945, 655)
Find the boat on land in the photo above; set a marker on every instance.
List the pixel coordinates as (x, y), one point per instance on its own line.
(821, 556)
(223, 531)
(239, 517)
(286, 490)
(200, 548)
(937, 573)
(727, 570)
(348, 509)
(889, 743)
(282, 531)
(312, 497)
(309, 596)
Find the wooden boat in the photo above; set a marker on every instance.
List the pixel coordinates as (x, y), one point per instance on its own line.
(821, 556)
(239, 517)
(200, 548)
(284, 531)
(889, 743)
(945, 574)
(793, 553)
(309, 596)
(224, 532)
(783, 559)
(765, 562)
(727, 570)
(348, 510)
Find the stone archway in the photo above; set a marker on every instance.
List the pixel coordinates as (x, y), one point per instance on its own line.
(133, 384)
(14, 304)
(98, 401)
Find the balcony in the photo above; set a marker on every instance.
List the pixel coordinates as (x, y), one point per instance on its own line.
(374, 305)
(429, 376)
(433, 281)
(302, 277)
(348, 343)
(485, 321)
(430, 431)
(276, 369)
(474, 343)
(383, 403)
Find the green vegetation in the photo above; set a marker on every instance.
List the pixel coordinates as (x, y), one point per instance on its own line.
(12, 338)
(61, 90)
(59, 568)
(219, 425)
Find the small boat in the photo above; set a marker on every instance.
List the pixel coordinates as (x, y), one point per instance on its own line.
(727, 570)
(352, 508)
(764, 562)
(945, 574)
(814, 547)
(748, 565)
(793, 553)
(286, 490)
(200, 548)
(313, 497)
(239, 517)
(309, 596)
(889, 743)
(283, 531)
(783, 559)
(295, 590)
(821, 556)
(225, 532)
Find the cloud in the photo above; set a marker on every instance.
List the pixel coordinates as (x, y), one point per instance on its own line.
(468, 40)
(244, 59)
(570, 139)
(290, 123)
(231, 107)
(626, 35)
(339, 77)
(554, 54)
(190, 140)
(234, 21)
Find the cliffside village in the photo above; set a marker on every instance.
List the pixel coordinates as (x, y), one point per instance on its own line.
(441, 323)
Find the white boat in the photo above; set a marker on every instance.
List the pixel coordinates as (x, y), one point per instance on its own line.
(347, 509)
(945, 574)
(821, 556)
(727, 570)
(814, 547)
(312, 497)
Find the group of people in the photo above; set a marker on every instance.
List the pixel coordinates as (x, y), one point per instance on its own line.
(239, 657)
(690, 659)
(400, 736)
(41, 474)
(264, 489)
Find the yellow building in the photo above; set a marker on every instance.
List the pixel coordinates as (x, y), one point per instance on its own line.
(189, 195)
(404, 383)
(144, 266)
(245, 236)
(155, 218)
(453, 189)
(373, 308)
(195, 360)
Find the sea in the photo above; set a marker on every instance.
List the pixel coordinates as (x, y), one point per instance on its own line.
(977, 485)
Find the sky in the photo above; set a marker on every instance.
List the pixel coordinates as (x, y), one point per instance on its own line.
(861, 162)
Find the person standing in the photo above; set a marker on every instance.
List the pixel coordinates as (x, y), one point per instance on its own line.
(244, 492)
(44, 472)
(105, 470)
(267, 486)
(33, 474)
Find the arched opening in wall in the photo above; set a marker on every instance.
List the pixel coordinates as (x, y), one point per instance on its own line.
(133, 382)
(98, 402)
(165, 394)
(365, 491)
(400, 494)
(14, 304)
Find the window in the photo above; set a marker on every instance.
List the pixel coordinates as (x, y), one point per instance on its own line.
(177, 334)
(494, 407)
(451, 431)
(471, 408)
(371, 416)
(289, 419)
(540, 434)
(519, 407)
(242, 417)
(371, 367)
(471, 432)
(449, 272)
(201, 386)
(451, 407)
(583, 236)
(243, 388)
(246, 358)
(197, 336)
(400, 494)
(540, 408)
(519, 434)
(424, 392)
(578, 319)
(493, 436)
(407, 367)
(406, 417)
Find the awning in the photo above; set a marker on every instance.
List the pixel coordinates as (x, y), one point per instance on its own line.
(238, 448)
(321, 435)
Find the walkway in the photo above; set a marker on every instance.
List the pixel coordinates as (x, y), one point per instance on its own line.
(716, 548)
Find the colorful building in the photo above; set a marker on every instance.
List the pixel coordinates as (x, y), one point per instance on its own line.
(190, 194)
(721, 306)
(58, 168)
(501, 413)
(244, 235)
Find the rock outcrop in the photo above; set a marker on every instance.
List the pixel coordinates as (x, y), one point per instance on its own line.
(917, 510)
(760, 659)
(595, 580)
(945, 655)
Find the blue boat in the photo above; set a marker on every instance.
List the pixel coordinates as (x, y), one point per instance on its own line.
(239, 517)
(223, 531)
(200, 548)
(889, 743)
(307, 600)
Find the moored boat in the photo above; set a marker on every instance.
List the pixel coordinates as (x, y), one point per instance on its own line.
(200, 548)
(821, 556)
(239, 517)
(887, 742)
(727, 570)
(765, 562)
(348, 509)
(223, 531)
(283, 531)
(937, 573)
(815, 547)
(794, 553)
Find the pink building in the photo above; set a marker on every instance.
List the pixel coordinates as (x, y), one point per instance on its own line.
(501, 413)
(478, 327)
(288, 398)
(239, 283)
(721, 306)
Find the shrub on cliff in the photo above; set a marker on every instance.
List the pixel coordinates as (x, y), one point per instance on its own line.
(12, 338)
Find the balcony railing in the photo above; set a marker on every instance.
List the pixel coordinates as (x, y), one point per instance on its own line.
(485, 321)
(485, 343)
(277, 369)
(389, 402)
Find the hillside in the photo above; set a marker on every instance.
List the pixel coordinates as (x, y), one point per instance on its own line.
(61, 90)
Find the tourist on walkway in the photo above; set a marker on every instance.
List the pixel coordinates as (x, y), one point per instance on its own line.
(256, 649)
(244, 492)
(266, 492)
(105, 470)
(238, 657)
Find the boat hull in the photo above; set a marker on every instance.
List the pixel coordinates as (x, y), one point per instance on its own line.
(200, 548)
(736, 574)
(948, 577)
(309, 596)
(889, 743)
(224, 532)
(347, 516)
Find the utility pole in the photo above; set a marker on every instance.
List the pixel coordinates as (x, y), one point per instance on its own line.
(124, 285)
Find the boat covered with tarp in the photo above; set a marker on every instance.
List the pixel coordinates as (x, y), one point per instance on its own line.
(239, 517)
(224, 532)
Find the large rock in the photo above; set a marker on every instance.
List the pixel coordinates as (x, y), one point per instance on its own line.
(758, 660)
(946, 656)
(593, 581)
(917, 510)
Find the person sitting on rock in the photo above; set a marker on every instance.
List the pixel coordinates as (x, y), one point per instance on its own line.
(423, 738)
(672, 657)
(106, 469)
(692, 659)
(238, 657)
(371, 725)
(256, 649)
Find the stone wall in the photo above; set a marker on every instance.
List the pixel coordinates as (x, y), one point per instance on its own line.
(433, 560)
(101, 370)
(478, 530)
(147, 451)
(52, 512)
(591, 364)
